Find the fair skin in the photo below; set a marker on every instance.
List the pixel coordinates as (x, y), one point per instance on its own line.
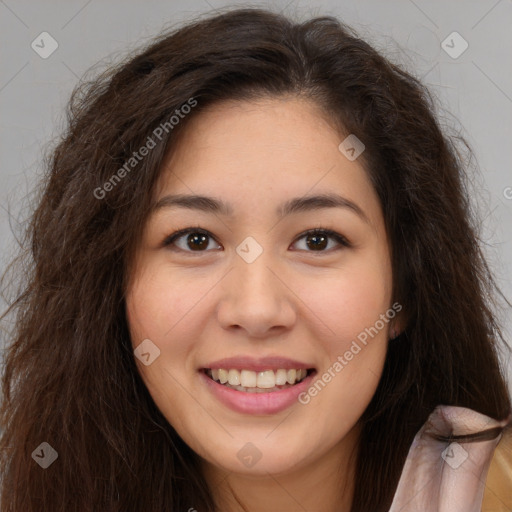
(292, 301)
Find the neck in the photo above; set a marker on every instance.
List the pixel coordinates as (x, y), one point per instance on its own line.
(326, 483)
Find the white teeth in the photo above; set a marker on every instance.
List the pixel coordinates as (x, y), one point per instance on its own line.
(266, 380)
(234, 377)
(291, 375)
(223, 376)
(257, 382)
(280, 377)
(248, 379)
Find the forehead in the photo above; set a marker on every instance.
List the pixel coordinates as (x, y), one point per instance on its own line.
(257, 153)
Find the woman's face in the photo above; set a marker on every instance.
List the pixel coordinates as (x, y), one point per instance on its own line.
(256, 298)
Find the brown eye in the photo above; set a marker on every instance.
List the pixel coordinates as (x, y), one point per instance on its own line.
(190, 240)
(318, 239)
(197, 241)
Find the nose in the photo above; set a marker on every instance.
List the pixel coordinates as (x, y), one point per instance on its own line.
(256, 298)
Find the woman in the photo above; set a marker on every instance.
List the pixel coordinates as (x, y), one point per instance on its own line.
(255, 286)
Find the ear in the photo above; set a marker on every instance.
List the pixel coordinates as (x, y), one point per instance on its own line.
(398, 324)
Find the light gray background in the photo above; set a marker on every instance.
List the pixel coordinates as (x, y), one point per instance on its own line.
(474, 90)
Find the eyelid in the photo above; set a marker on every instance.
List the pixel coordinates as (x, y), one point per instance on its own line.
(340, 239)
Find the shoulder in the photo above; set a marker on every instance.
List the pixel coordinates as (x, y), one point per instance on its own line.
(498, 486)
(456, 457)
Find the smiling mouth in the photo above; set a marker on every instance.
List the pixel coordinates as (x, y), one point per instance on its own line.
(267, 381)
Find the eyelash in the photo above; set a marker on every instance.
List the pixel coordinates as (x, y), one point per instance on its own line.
(317, 231)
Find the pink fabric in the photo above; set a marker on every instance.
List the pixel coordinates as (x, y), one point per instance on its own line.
(443, 477)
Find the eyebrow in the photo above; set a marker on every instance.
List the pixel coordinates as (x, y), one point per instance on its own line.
(296, 205)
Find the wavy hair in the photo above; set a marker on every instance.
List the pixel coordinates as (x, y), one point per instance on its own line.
(70, 378)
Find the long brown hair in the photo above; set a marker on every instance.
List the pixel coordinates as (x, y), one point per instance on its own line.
(70, 378)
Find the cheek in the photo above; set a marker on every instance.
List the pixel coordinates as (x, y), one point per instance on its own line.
(156, 309)
(355, 305)
(160, 303)
(351, 301)
(163, 306)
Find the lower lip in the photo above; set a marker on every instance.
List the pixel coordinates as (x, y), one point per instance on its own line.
(257, 403)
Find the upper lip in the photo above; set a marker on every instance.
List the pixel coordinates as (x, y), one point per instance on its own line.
(259, 364)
